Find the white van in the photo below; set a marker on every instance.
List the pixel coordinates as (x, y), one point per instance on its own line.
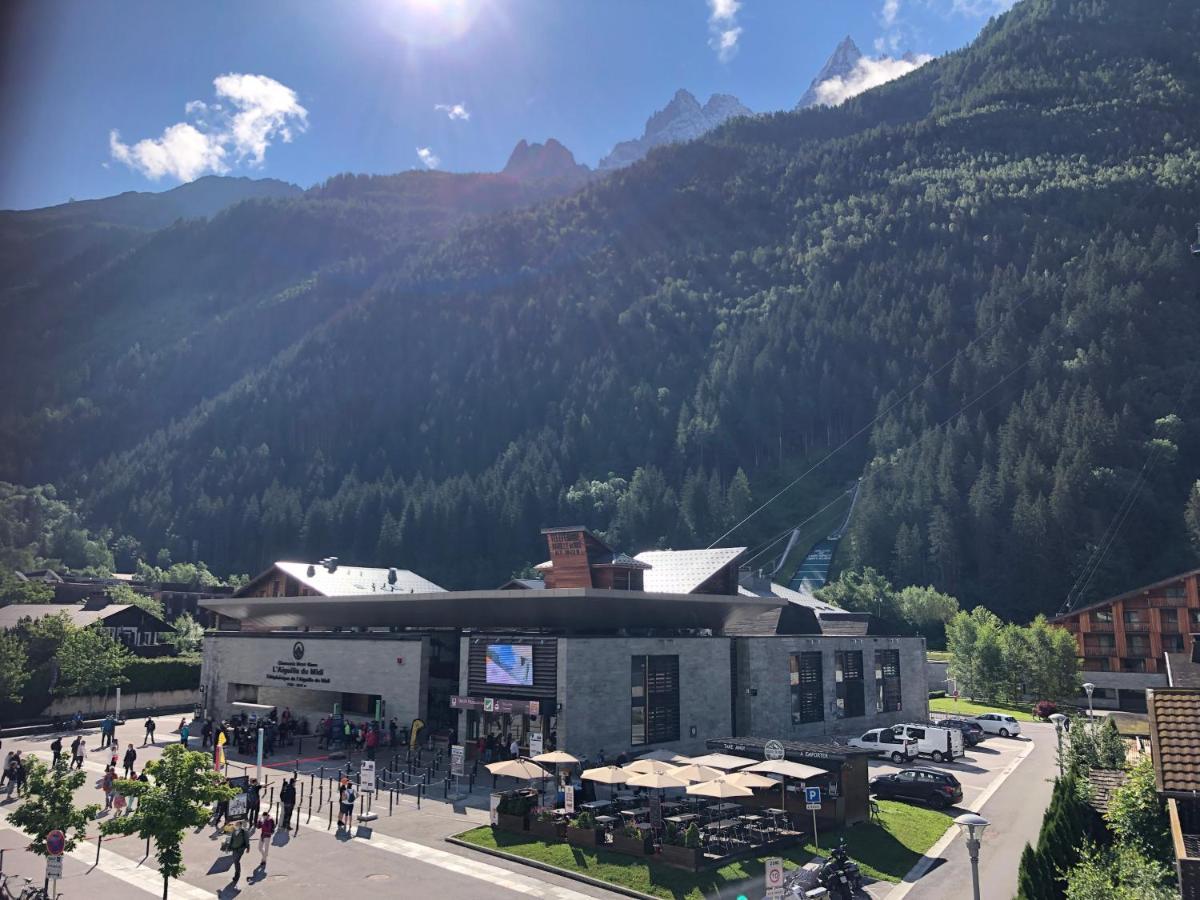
(887, 743)
(939, 744)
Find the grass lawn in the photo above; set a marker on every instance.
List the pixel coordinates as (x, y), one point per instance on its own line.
(885, 851)
(938, 656)
(950, 706)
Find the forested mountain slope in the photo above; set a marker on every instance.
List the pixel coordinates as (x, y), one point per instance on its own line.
(988, 255)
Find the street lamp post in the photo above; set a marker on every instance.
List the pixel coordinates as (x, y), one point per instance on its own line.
(1088, 687)
(973, 827)
(1060, 725)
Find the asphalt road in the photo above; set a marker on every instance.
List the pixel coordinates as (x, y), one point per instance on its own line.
(1015, 812)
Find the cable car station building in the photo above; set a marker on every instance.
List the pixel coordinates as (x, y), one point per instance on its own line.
(667, 649)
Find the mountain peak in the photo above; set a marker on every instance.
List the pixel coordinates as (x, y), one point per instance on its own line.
(841, 63)
(683, 119)
(538, 162)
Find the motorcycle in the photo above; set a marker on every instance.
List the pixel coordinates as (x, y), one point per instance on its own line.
(837, 877)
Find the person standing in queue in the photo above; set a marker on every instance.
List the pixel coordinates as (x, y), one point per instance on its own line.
(129, 759)
(56, 749)
(287, 795)
(149, 738)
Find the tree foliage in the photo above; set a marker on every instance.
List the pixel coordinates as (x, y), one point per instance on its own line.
(179, 795)
(50, 804)
(1137, 815)
(1118, 873)
(123, 593)
(187, 636)
(14, 672)
(995, 660)
(90, 661)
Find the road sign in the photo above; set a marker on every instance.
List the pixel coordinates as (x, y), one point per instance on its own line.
(366, 776)
(773, 750)
(457, 759)
(56, 843)
(812, 798)
(773, 877)
(569, 799)
(54, 867)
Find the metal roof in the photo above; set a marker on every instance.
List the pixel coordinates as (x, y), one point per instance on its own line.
(800, 598)
(571, 609)
(1144, 589)
(12, 614)
(682, 571)
(351, 581)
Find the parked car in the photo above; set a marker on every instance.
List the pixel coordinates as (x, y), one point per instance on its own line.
(938, 789)
(972, 731)
(999, 723)
(938, 743)
(885, 742)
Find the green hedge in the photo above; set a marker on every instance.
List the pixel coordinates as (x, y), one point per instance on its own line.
(936, 695)
(165, 673)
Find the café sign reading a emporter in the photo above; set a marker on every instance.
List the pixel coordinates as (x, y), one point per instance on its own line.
(295, 672)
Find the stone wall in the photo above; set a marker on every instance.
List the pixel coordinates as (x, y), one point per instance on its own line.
(99, 705)
(764, 688)
(393, 666)
(594, 692)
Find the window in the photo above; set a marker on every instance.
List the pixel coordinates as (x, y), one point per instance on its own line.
(848, 675)
(1102, 617)
(654, 699)
(1134, 616)
(805, 677)
(1138, 645)
(887, 681)
(1172, 643)
(1194, 616)
(908, 776)
(871, 737)
(1133, 665)
(1177, 592)
(1168, 620)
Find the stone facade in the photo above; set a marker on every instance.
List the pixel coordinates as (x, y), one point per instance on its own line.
(594, 693)
(262, 668)
(763, 696)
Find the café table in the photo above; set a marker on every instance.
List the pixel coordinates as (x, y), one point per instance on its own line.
(605, 820)
(635, 813)
(723, 807)
(683, 818)
(594, 805)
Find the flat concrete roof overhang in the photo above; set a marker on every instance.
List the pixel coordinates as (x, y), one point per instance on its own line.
(569, 609)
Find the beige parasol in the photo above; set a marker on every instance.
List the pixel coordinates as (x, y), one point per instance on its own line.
(556, 757)
(721, 761)
(665, 756)
(693, 772)
(524, 769)
(751, 780)
(787, 769)
(606, 775)
(643, 766)
(658, 780)
(719, 788)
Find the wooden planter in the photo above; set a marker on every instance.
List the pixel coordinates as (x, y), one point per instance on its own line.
(584, 837)
(547, 831)
(638, 846)
(683, 857)
(505, 822)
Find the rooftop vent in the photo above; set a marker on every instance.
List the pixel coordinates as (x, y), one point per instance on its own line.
(391, 576)
(330, 563)
(312, 570)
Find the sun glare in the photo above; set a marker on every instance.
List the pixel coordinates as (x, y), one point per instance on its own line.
(429, 22)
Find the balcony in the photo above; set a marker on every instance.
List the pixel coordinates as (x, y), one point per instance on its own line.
(1096, 664)
(1133, 665)
(1101, 627)
(1137, 648)
(1092, 649)
(1137, 626)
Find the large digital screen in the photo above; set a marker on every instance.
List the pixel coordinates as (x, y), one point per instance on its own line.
(510, 664)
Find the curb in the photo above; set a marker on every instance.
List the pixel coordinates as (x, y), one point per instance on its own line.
(554, 870)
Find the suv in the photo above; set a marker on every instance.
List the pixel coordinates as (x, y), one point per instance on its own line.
(998, 723)
(972, 731)
(885, 742)
(938, 789)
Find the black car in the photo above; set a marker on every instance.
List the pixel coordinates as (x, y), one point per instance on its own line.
(972, 732)
(938, 789)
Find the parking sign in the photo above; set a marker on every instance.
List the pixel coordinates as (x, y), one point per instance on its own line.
(773, 877)
(812, 798)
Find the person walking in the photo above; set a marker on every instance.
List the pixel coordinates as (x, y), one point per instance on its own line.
(104, 732)
(371, 741)
(239, 843)
(206, 734)
(149, 738)
(183, 732)
(11, 774)
(129, 760)
(252, 800)
(106, 785)
(56, 749)
(78, 751)
(266, 831)
(287, 796)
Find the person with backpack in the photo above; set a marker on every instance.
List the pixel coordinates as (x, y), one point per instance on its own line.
(266, 830)
(346, 813)
(56, 749)
(239, 843)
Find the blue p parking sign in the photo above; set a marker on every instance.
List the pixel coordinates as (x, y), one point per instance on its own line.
(812, 797)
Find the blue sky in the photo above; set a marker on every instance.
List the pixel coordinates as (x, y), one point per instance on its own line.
(305, 90)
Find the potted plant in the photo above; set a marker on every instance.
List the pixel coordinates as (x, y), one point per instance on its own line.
(583, 832)
(512, 813)
(545, 826)
(632, 840)
(682, 848)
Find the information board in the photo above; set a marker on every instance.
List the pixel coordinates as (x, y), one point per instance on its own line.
(238, 805)
(494, 808)
(535, 743)
(458, 759)
(54, 867)
(366, 776)
(773, 877)
(569, 799)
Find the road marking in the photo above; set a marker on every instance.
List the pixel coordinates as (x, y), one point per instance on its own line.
(934, 853)
(513, 881)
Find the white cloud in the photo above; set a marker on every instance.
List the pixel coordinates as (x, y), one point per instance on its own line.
(428, 157)
(981, 8)
(868, 73)
(454, 111)
(255, 111)
(891, 9)
(723, 29)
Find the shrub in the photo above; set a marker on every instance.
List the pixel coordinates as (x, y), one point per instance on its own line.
(936, 695)
(163, 673)
(673, 835)
(585, 820)
(691, 837)
(1044, 709)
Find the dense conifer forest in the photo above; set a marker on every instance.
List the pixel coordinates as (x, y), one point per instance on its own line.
(973, 284)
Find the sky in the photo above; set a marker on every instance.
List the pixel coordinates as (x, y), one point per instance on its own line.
(101, 97)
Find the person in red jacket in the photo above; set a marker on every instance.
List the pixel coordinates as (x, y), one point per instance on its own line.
(266, 831)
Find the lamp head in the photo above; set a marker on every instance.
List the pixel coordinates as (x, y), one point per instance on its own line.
(972, 826)
(1059, 720)
(1089, 687)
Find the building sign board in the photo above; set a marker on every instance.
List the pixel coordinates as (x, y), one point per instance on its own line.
(496, 705)
(458, 759)
(773, 750)
(298, 672)
(535, 743)
(569, 799)
(366, 776)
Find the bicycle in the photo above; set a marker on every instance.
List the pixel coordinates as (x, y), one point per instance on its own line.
(29, 891)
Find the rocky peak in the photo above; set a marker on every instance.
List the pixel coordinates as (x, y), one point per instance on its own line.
(538, 162)
(840, 64)
(683, 119)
